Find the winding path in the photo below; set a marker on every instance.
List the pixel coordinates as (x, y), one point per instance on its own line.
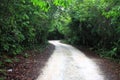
(68, 63)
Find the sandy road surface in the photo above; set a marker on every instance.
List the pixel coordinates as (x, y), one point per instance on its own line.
(68, 63)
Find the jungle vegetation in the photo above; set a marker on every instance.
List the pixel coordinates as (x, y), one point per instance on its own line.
(27, 24)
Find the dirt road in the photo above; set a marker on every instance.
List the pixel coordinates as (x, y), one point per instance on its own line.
(68, 63)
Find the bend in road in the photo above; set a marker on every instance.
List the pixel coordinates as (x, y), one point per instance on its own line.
(68, 63)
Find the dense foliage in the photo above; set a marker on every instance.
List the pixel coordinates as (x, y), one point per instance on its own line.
(25, 24)
(22, 25)
(93, 23)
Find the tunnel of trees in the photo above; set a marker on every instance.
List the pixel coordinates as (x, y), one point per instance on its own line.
(26, 24)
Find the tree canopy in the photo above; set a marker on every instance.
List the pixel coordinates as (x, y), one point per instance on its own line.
(27, 24)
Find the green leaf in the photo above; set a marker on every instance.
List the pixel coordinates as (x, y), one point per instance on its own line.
(8, 60)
